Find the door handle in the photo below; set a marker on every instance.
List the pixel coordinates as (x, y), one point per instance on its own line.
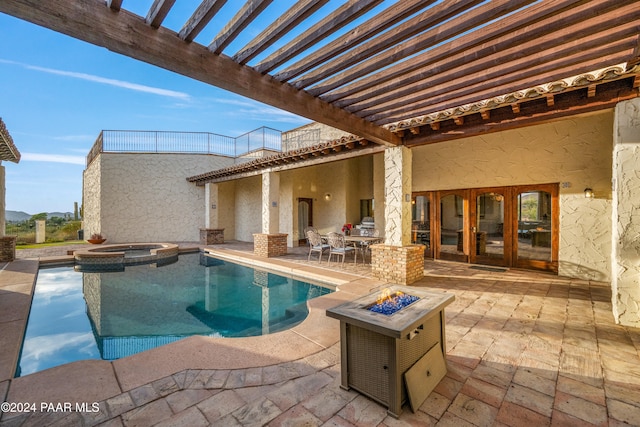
(473, 229)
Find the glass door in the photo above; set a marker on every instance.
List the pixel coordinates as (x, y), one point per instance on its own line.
(536, 240)
(421, 221)
(489, 215)
(452, 237)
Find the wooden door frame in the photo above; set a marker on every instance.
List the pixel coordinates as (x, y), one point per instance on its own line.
(429, 195)
(436, 238)
(554, 190)
(303, 239)
(510, 230)
(506, 231)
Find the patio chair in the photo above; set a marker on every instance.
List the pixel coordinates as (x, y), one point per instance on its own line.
(307, 229)
(366, 246)
(338, 247)
(316, 244)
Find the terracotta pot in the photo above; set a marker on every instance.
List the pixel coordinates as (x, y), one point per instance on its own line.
(96, 241)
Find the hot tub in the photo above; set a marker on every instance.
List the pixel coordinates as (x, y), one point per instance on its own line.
(116, 257)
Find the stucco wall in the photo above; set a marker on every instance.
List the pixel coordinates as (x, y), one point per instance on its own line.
(626, 205)
(576, 153)
(248, 208)
(146, 197)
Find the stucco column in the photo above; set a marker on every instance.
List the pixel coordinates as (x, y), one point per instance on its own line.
(270, 242)
(397, 260)
(211, 205)
(625, 282)
(211, 234)
(270, 202)
(397, 196)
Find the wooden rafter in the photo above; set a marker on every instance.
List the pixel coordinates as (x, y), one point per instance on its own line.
(200, 18)
(332, 23)
(481, 90)
(158, 11)
(495, 61)
(249, 12)
(567, 104)
(128, 34)
(513, 30)
(281, 26)
(370, 28)
(422, 63)
(456, 26)
(502, 76)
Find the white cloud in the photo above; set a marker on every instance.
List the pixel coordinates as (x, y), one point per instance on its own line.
(54, 158)
(113, 82)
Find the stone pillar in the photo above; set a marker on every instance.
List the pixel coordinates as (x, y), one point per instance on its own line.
(397, 260)
(7, 248)
(40, 231)
(625, 245)
(211, 234)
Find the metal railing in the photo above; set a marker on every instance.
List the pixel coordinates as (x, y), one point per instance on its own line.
(131, 141)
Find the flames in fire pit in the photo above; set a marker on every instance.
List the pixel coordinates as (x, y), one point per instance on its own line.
(389, 303)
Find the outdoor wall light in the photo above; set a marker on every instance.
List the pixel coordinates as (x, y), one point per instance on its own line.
(588, 193)
(327, 196)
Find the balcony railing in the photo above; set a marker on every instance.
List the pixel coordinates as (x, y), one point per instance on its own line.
(128, 141)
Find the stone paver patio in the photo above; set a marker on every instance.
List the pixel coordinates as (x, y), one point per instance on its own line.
(524, 348)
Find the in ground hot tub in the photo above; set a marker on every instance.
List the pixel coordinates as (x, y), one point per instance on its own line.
(116, 257)
(385, 341)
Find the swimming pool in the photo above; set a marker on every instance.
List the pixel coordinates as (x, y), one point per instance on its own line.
(109, 315)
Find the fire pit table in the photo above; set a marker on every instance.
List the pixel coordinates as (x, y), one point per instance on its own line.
(403, 337)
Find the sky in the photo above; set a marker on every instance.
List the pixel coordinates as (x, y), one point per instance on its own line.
(57, 93)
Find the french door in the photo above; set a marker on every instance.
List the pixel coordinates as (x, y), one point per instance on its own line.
(504, 226)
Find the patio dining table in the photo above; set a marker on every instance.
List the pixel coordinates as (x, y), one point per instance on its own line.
(362, 242)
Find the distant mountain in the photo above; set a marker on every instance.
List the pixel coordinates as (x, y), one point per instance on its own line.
(17, 216)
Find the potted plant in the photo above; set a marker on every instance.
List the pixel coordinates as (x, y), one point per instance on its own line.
(96, 239)
(346, 229)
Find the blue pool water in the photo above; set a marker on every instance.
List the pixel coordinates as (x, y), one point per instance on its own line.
(109, 315)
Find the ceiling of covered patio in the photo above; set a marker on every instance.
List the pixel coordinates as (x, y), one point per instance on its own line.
(407, 72)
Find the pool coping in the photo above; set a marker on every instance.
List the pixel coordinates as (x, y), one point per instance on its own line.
(96, 380)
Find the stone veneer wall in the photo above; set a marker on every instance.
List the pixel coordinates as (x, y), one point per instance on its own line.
(211, 236)
(401, 265)
(269, 245)
(7, 248)
(576, 152)
(136, 197)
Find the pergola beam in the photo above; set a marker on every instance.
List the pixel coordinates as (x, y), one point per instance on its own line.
(128, 34)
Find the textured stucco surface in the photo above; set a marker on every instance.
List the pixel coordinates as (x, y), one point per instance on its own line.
(146, 197)
(576, 153)
(626, 214)
(397, 164)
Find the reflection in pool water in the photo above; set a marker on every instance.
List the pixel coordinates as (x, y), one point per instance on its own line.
(108, 315)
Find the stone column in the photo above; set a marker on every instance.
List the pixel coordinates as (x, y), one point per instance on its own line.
(397, 260)
(41, 231)
(270, 243)
(625, 245)
(211, 234)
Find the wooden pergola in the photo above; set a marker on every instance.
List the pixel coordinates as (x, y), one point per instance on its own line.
(8, 150)
(410, 72)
